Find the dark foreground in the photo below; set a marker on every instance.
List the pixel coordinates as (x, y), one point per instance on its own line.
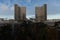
(27, 31)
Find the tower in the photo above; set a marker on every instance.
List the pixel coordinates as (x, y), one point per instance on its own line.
(23, 13)
(16, 14)
(41, 13)
(20, 13)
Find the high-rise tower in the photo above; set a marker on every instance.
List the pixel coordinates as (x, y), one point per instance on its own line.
(20, 13)
(23, 13)
(41, 13)
(16, 14)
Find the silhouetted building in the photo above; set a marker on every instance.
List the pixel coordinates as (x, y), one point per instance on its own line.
(20, 13)
(41, 13)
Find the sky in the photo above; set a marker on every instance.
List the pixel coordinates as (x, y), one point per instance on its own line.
(7, 8)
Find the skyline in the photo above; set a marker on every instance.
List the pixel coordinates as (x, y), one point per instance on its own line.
(7, 8)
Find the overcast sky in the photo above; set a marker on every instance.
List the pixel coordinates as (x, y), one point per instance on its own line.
(7, 8)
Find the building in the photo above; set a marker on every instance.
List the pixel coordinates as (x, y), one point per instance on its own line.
(16, 14)
(20, 13)
(41, 13)
(23, 13)
(1, 19)
(32, 20)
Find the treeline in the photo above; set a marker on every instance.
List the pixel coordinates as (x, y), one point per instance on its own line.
(25, 31)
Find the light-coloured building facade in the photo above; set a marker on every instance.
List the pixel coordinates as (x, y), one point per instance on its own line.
(23, 13)
(16, 10)
(20, 13)
(41, 13)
